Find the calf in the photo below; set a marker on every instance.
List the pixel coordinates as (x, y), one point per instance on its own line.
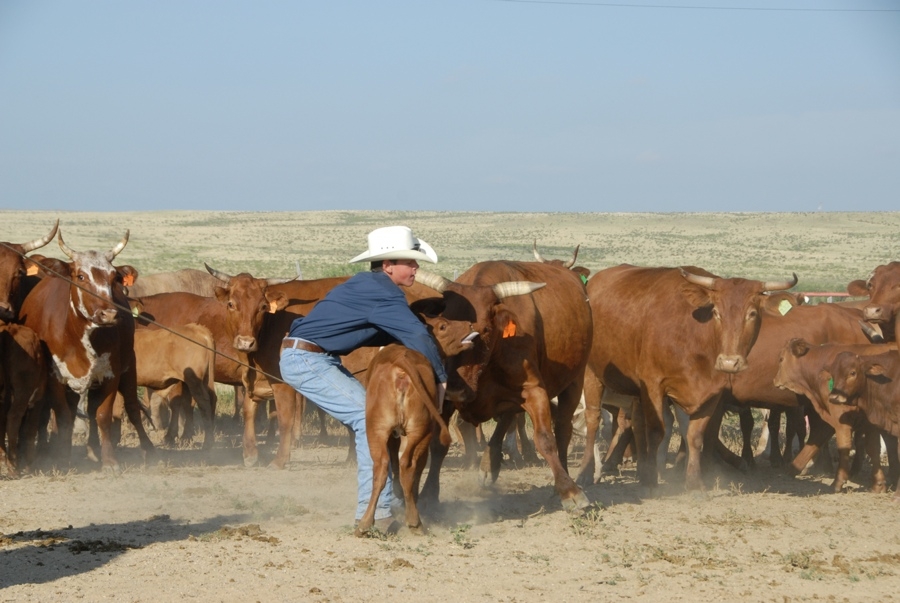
(872, 384)
(401, 400)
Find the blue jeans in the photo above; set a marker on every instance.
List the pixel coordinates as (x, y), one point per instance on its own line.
(328, 385)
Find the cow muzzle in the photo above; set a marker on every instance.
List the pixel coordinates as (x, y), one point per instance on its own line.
(837, 397)
(244, 344)
(730, 364)
(873, 313)
(104, 317)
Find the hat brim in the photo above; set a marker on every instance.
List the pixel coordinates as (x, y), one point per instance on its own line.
(425, 254)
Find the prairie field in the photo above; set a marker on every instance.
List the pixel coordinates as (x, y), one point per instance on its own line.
(826, 250)
(193, 524)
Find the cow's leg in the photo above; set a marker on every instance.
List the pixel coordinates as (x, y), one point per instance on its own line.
(467, 436)
(873, 449)
(411, 466)
(537, 405)
(286, 409)
(773, 425)
(794, 428)
(248, 409)
(201, 395)
(6, 400)
(697, 428)
(891, 444)
(100, 411)
(381, 463)
(568, 400)
(529, 454)
(128, 389)
(593, 392)
(493, 454)
(715, 440)
(746, 420)
(819, 434)
(844, 436)
(647, 423)
(431, 491)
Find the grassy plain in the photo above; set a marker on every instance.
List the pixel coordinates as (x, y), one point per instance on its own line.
(826, 250)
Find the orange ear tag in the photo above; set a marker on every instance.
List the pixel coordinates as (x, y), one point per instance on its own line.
(31, 270)
(509, 330)
(128, 280)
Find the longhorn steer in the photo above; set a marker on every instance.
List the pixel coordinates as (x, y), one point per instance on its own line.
(676, 333)
(90, 344)
(533, 346)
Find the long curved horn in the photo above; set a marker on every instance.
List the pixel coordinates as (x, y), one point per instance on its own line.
(510, 288)
(219, 275)
(435, 281)
(707, 282)
(780, 285)
(571, 263)
(112, 253)
(537, 256)
(65, 248)
(38, 243)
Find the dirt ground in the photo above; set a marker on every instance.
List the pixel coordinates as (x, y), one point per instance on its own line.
(195, 525)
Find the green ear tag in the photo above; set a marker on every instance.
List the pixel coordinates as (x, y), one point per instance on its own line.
(583, 279)
(831, 384)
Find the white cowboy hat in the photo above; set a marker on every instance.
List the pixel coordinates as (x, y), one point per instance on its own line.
(396, 243)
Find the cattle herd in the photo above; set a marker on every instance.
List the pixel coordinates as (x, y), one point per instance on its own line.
(79, 337)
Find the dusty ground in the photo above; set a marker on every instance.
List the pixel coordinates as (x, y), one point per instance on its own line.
(193, 525)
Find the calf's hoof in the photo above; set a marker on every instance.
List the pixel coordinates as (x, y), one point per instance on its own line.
(251, 461)
(576, 503)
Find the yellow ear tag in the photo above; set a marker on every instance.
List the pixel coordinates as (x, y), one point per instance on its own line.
(273, 307)
(135, 312)
(509, 330)
(784, 307)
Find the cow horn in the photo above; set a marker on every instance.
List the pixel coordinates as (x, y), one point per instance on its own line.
(537, 256)
(435, 281)
(65, 248)
(112, 253)
(707, 282)
(511, 288)
(280, 281)
(571, 263)
(38, 243)
(219, 275)
(780, 285)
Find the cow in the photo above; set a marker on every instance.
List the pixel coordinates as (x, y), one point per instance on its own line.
(401, 400)
(234, 317)
(23, 377)
(800, 367)
(13, 268)
(535, 334)
(883, 290)
(669, 333)
(872, 384)
(88, 336)
(186, 280)
(184, 357)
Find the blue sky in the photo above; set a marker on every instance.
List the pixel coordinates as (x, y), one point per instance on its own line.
(449, 105)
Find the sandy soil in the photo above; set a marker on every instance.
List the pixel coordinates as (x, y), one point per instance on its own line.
(199, 526)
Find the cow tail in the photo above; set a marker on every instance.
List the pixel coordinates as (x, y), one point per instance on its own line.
(433, 411)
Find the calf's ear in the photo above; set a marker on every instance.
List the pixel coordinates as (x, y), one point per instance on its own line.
(876, 370)
(278, 300)
(857, 288)
(798, 347)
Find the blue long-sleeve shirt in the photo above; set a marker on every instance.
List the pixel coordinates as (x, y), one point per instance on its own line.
(367, 310)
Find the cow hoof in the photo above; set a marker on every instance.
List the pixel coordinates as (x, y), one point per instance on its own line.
(576, 503)
(251, 461)
(113, 469)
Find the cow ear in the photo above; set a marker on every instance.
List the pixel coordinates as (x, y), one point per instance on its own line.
(696, 296)
(505, 322)
(798, 347)
(857, 288)
(876, 370)
(126, 275)
(278, 300)
(827, 379)
(222, 294)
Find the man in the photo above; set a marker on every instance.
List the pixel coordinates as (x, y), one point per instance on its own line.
(367, 310)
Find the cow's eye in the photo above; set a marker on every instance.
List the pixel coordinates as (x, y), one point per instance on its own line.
(230, 305)
(751, 315)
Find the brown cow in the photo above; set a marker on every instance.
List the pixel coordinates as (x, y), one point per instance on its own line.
(401, 400)
(23, 377)
(872, 384)
(12, 271)
(800, 371)
(676, 333)
(186, 358)
(533, 346)
(90, 342)
(186, 280)
(883, 290)
(234, 317)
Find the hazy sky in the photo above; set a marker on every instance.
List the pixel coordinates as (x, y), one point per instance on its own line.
(449, 105)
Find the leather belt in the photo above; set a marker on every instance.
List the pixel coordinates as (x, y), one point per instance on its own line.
(301, 344)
